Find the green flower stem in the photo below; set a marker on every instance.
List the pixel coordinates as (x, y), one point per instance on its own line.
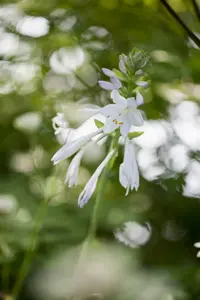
(26, 264)
(100, 193)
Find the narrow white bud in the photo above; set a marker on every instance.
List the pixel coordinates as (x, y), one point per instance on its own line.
(90, 187)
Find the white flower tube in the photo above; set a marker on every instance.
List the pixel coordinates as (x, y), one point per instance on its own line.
(90, 187)
(72, 172)
(69, 149)
(128, 172)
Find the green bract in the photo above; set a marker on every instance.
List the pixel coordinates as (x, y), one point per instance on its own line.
(135, 134)
(98, 123)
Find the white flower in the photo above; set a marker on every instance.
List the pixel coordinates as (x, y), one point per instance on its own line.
(59, 123)
(107, 85)
(91, 185)
(123, 113)
(133, 234)
(71, 148)
(115, 84)
(128, 172)
(197, 245)
(72, 172)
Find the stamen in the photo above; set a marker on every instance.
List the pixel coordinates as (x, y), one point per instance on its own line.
(120, 123)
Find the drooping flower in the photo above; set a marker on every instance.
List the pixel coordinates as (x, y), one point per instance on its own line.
(72, 172)
(123, 113)
(71, 148)
(90, 187)
(59, 123)
(128, 172)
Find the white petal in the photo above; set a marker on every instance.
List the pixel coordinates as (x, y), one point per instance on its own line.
(72, 172)
(91, 185)
(111, 110)
(131, 102)
(110, 126)
(116, 82)
(143, 84)
(198, 254)
(88, 191)
(117, 98)
(106, 85)
(70, 148)
(122, 176)
(129, 174)
(135, 117)
(139, 99)
(108, 72)
(124, 128)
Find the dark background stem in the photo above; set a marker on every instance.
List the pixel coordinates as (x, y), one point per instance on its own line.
(196, 9)
(178, 19)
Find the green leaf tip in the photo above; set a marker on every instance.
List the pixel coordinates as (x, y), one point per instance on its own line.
(135, 134)
(98, 123)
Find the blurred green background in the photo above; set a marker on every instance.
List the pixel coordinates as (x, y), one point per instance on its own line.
(51, 55)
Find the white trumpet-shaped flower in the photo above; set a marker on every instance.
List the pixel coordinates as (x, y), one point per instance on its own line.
(90, 187)
(128, 172)
(59, 123)
(72, 172)
(71, 148)
(123, 113)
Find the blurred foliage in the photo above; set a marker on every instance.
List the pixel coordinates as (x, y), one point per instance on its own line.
(35, 82)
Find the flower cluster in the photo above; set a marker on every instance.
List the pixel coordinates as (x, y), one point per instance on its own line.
(120, 116)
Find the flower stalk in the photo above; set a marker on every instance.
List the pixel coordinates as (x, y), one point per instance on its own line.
(100, 192)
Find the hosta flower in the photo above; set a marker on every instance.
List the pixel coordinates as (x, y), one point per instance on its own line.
(123, 113)
(91, 185)
(128, 172)
(70, 149)
(72, 172)
(59, 123)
